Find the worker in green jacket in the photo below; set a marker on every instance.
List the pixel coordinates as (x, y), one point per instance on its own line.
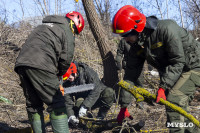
(169, 48)
(47, 54)
(79, 103)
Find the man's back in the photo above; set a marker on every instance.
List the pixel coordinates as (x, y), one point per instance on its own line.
(44, 45)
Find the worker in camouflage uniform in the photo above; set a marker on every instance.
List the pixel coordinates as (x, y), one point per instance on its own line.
(101, 96)
(47, 54)
(171, 50)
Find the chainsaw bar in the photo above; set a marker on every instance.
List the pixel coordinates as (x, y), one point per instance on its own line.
(80, 88)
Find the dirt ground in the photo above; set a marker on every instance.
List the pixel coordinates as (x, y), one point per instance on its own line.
(13, 116)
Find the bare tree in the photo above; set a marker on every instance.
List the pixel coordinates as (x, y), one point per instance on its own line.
(41, 7)
(103, 9)
(159, 9)
(110, 71)
(192, 10)
(22, 8)
(3, 13)
(179, 3)
(167, 8)
(45, 8)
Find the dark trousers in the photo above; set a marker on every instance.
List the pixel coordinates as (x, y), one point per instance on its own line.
(40, 87)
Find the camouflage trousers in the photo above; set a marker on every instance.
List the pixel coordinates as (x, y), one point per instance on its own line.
(181, 95)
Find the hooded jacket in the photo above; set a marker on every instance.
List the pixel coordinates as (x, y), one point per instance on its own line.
(49, 47)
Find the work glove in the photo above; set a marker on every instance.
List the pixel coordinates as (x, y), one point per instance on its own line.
(160, 94)
(123, 114)
(62, 90)
(82, 111)
(73, 120)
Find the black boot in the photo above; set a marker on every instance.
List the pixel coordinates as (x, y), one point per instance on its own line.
(102, 112)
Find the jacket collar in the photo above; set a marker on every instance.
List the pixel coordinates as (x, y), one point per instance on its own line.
(151, 25)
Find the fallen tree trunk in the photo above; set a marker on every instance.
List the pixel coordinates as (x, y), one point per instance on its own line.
(146, 94)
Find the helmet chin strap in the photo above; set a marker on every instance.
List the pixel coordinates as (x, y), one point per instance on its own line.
(71, 23)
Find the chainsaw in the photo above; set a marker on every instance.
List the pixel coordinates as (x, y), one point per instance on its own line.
(76, 89)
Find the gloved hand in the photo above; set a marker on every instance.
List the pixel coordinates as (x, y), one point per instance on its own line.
(82, 111)
(160, 94)
(123, 114)
(73, 120)
(62, 90)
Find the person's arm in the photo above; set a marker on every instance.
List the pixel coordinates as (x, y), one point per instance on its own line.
(93, 96)
(119, 55)
(67, 52)
(134, 64)
(133, 70)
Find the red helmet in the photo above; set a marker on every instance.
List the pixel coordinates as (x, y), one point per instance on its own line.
(128, 18)
(78, 20)
(72, 69)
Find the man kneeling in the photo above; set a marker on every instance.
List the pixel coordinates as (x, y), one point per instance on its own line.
(79, 103)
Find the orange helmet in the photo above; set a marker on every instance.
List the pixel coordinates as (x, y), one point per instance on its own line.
(72, 69)
(127, 19)
(78, 20)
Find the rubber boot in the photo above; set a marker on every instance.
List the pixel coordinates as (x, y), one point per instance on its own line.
(37, 122)
(59, 121)
(102, 112)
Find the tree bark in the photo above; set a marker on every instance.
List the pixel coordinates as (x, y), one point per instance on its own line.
(110, 71)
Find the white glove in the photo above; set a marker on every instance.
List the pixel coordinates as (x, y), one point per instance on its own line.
(73, 120)
(154, 73)
(82, 111)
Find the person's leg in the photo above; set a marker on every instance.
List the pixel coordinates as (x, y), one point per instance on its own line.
(125, 97)
(34, 104)
(37, 121)
(180, 95)
(59, 120)
(47, 88)
(106, 99)
(195, 77)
